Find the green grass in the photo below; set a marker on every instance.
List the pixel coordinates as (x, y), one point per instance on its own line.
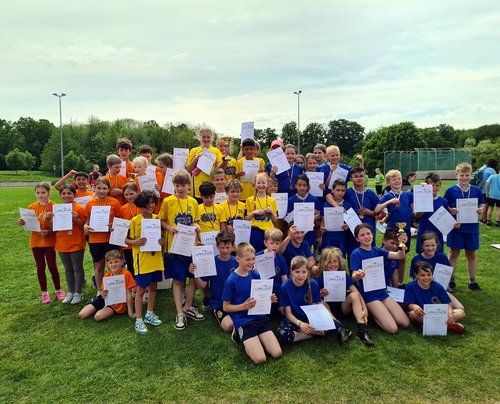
(49, 355)
(21, 175)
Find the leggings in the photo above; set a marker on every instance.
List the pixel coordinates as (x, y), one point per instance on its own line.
(42, 254)
(73, 268)
(129, 260)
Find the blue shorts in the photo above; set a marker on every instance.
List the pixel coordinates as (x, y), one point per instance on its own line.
(144, 280)
(462, 241)
(254, 328)
(329, 240)
(177, 267)
(257, 239)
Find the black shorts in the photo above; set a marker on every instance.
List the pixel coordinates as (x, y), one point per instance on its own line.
(254, 328)
(219, 315)
(493, 202)
(99, 250)
(99, 304)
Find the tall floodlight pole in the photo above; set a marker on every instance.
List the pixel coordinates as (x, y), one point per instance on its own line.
(60, 130)
(298, 92)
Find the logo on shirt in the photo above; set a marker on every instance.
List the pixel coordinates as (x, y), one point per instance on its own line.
(231, 220)
(184, 218)
(231, 170)
(208, 217)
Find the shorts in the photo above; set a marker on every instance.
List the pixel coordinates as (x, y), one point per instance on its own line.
(463, 241)
(254, 328)
(219, 315)
(99, 304)
(177, 267)
(336, 308)
(144, 280)
(99, 250)
(493, 202)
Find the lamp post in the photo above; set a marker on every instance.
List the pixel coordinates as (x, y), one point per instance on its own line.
(60, 130)
(298, 92)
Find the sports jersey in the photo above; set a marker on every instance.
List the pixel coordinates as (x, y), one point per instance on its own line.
(145, 262)
(176, 211)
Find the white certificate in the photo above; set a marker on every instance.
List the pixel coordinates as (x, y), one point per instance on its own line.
(352, 219)
(339, 174)
(82, 200)
(277, 158)
(204, 259)
(151, 169)
(119, 231)
(180, 158)
(261, 291)
(168, 185)
(151, 231)
(63, 216)
(423, 201)
(251, 168)
(209, 238)
(435, 319)
(123, 168)
(242, 229)
(315, 180)
(99, 218)
(319, 317)
(247, 130)
(183, 240)
(304, 216)
(397, 294)
(289, 218)
(374, 274)
(442, 275)
(334, 218)
(334, 282)
(147, 183)
(115, 285)
(443, 220)
(282, 202)
(206, 161)
(467, 210)
(220, 197)
(264, 265)
(31, 222)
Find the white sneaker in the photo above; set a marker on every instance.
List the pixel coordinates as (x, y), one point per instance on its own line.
(180, 322)
(77, 298)
(68, 298)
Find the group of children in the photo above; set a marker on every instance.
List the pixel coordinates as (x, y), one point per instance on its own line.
(213, 204)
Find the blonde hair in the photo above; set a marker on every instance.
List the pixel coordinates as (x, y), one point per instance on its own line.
(219, 171)
(326, 256)
(242, 248)
(332, 148)
(181, 177)
(233, 184)
(44, 185)
(300, 261)
(273, 234)
(113, 159)
(114, 254)
(393, 174)
(204, 129)
(141, 160)
(463, 168)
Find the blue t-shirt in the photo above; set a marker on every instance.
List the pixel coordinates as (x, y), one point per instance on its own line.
(455, 192)
(425, 225)
(494, 182)
(237, 291)
(310, 235)
(321, 281)
(438, 258)
(355, 263)
(325, 168)
(487, 173)
(403, 213)
(281, 269)
(435, 294)
(291, 251)
(389, 267)
(369, 201)
(286, 179)
(335, 235)
(216, 283)
(296, 296)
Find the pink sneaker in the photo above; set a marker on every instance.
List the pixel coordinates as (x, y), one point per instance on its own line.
(60, 294)
(45, 298)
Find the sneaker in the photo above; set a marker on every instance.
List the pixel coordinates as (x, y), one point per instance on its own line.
(84, 280)
(60, 294)
(46, 298)
(94, 284)
(68, 298)
(145, 298)
(475, 287)
(456, 328)
(488, 223)
(452, 287)
(152, 319)
(180, 322)
(497, 224)
(77, 298)
(343, 335)
(140, 327)
(365, 338)
(235, 337)
(194, 314)
(206, 304)
(482, 221)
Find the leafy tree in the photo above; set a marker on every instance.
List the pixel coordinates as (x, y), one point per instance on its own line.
(78, 162)
(347, 135)
(29, 160)
(265, 137)
(35, 134)
(15, 160)
(485, 150)
(441, 136)
(289, 133)
(313, 134)
(10, 138)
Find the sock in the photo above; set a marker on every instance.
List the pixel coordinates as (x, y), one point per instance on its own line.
(338, 325)
(361, 328)
(149, 312)
(472, 279)
(138, 320)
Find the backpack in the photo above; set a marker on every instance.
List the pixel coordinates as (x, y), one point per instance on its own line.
(477, 177)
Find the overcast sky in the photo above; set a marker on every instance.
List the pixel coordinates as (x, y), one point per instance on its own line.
(224, 62)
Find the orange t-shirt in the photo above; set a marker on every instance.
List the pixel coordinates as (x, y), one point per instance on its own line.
(129, 168)
(74, 240)
(102, 237)
(120, 308)
(159, 181)
(129, 212)
(117, 182)
(80, 194)
(36, 239)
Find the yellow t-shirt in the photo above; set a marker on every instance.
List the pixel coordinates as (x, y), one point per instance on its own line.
(145, 262)
(248, 188)
(209, 218)
(262, 222)
(176, 211)
(230, 169)
(233, 212)
(202, 177)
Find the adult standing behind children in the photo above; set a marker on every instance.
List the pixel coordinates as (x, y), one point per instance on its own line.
(490, 168)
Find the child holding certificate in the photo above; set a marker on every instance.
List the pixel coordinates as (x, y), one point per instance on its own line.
(294, 244)
(80, 182)
(384, 310)
(164, 162)
(124, 150)
(116, 180)
(247, 146)
(141, 171)
(426, 291)
(287, 178)
(210, 215)
(254, 331)
(220, 182)
(148, 265)
(331, 259)
(42, 242)
(465, 237)
(333, 166)
(97, 307)
(233, 208)
(128, 212)
(390, 243)
(180, 208)
(298, 291)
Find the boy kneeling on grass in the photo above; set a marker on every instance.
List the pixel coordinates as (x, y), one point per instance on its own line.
(114, 261)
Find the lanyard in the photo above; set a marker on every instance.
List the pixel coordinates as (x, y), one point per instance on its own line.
(362, 199)
(184, 214)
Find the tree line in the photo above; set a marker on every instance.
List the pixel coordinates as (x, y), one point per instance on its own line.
(35, 144)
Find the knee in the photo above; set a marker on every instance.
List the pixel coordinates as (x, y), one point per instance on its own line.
(82, 315)
(277, 354)
(259, 359)
(285, 334)
(98, 317)
(391, 329)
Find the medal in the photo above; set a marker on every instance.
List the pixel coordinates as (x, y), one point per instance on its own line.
(291, 187)
(70, 232)
(361, 216)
